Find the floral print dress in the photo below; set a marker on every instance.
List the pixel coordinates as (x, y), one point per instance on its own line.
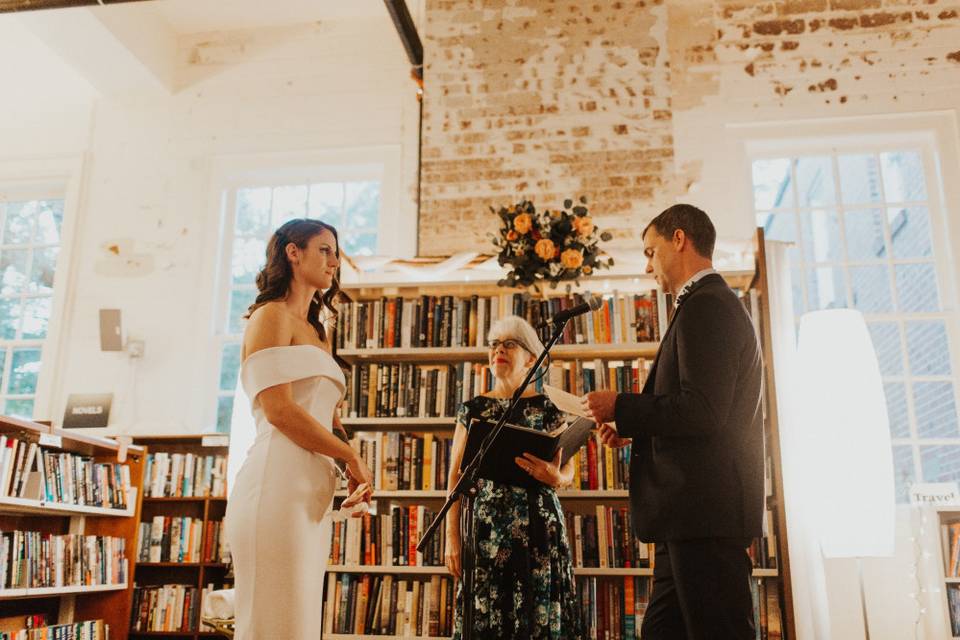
(524, 586)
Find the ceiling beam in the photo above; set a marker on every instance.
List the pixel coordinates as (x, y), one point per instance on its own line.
(10, 6)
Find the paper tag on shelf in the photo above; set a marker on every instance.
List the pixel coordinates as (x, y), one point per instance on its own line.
(215, 441)
(50, 440)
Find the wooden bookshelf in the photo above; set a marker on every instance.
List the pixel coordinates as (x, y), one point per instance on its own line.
(206, 508)
(61, 605)
(578, 501)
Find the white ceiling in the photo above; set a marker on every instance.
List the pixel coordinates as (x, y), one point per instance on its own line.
(199, 16)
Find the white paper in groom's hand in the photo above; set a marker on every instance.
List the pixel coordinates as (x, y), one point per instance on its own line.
(565, 401)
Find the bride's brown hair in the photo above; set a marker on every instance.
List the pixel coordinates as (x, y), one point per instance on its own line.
(273, 281)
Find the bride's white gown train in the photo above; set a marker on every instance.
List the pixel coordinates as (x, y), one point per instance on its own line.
(276, 522)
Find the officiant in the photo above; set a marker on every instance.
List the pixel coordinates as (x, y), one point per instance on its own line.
(523, 581)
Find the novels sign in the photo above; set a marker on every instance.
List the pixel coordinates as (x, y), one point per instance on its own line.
(87, 410)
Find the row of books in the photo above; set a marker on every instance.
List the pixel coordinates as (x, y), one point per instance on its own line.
(599, 467)
(767, 619)
(387, 539)
(613, 608)
(169, 607)
(583, 376)
(406, 461)
(170, 539)
(389, 605)
(28, 470)
(184, 475)
(409, 390)
(953, 603)
(951, 535)
(215, 548)
(605, 539)
(448, 321)
(31, 559)
(86, 630)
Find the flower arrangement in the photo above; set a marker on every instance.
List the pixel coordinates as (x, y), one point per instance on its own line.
(549, 245)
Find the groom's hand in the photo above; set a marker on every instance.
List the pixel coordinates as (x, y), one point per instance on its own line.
(600, 405)
(610, 437)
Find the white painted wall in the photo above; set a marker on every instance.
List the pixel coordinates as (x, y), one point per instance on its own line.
(147, 185)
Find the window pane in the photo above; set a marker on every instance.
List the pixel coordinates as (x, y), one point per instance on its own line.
(796, 286)
(903, 469)
(249, 256)
(326, 202)
(859, 179)
(18, 228)
(896, 395)
(886, 342)
(935, 409)
(362, 204)
(910, 232)
(9, 317)
(240, 301)
(3, 365)
(24, 371)
(13, 270)
(864, 231)
(821, 236)
(917, 287)
(49, 222)
(21, 408)
(903, 178)
(778, 226)
(815, 182)
(229, 366)
(289, 203)
(871, 289)
(42, 270)
(928, 348)
(940, 463)
(224, 412)
(771, 184)
(253, 211)
(36, 317)
(825, 288)
(360, 244)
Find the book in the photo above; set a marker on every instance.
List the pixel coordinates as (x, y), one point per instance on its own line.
(513, 441)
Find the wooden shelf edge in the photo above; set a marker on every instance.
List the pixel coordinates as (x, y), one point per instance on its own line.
(579, 571)
(13, 505)
(46, 592)
(467, 354)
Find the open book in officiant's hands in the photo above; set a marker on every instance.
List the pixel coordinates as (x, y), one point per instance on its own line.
(513, 441)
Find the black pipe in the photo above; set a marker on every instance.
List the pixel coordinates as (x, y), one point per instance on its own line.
(408, 34)
(10, 6)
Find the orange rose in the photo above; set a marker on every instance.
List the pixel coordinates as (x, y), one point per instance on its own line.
(512, 235)
(544, 248)
(583, 225)
(571, 258)
(522, 223)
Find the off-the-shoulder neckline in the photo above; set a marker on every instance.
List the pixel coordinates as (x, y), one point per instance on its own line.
(288, 346)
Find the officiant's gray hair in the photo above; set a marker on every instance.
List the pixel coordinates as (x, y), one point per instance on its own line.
(516, 328)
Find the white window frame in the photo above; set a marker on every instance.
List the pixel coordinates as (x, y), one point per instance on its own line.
(935, 136)
(59, 177)
(396, 227)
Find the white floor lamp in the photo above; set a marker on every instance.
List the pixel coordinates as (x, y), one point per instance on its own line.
(845, 419)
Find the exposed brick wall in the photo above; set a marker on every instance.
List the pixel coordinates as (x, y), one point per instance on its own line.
(550, 99)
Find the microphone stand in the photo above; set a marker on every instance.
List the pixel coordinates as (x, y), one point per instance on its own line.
(466, 490)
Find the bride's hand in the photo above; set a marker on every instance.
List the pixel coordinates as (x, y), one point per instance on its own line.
(359, 474)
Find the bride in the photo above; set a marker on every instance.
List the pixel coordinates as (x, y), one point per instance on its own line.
(276, 521)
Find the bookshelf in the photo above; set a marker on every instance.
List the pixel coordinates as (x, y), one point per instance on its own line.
(943, 591)
(67, 470)
(371, 419)
(196, 565)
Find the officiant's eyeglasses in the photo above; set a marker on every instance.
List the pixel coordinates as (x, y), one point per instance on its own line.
(509, 345)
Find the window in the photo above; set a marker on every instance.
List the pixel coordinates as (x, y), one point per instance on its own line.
(29, 244)
(865, 224)
(253, 213)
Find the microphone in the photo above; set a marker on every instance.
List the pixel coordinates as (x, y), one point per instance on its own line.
(592, 304)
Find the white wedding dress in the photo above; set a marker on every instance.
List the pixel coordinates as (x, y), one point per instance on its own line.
(276, 522)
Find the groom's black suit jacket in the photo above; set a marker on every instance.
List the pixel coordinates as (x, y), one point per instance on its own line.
(696, 465)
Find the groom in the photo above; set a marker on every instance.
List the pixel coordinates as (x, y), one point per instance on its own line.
(696, 465)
